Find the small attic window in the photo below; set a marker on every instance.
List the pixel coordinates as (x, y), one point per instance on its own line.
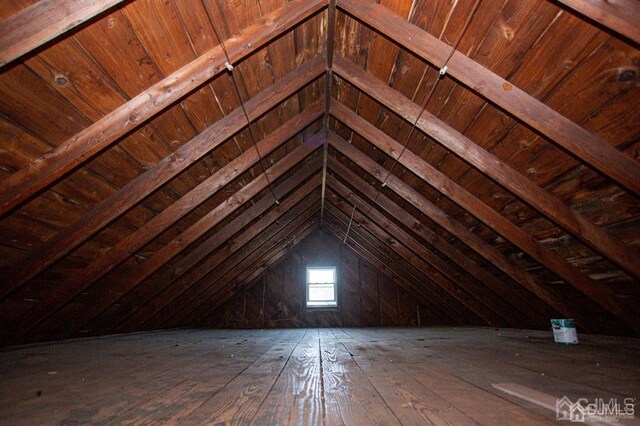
(321, 287)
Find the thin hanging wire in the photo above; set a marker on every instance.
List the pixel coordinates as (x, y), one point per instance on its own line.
(349, 227)
(229, 67)
(441, 73)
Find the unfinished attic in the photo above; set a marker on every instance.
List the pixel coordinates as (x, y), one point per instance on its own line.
(319, 211)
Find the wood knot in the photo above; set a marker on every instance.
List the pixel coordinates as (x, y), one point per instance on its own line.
(627, 74)
(60, 80)
(508, 33)
(506, 86)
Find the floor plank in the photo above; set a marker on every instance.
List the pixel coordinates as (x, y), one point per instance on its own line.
(296, 397)
(442, 375)
(410, 400)
(350, 398)
(239, 400)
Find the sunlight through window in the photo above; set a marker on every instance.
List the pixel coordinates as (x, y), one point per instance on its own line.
(321, 287)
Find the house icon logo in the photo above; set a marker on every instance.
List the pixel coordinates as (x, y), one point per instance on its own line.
(569, 411)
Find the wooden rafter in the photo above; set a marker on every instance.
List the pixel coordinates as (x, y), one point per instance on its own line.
(295, 207)
(598, 292)
(194, 232)
(196, 264)
(407, 283)
(459, 231)
(487, 163)
(321, 192)
(246, 260)
(136, 190)
(296, 213)
(44, 21)
(45, 170)
(197, 196)
(270, 260)
(620, 16)
(423, 277)
(455, 278)
(412, 251)
(584, 145)
(381, 257)
(249, 261)
(506, 291)
(227, 207)
(131, 244)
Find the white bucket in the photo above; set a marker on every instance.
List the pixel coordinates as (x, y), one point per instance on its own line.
(564, 331)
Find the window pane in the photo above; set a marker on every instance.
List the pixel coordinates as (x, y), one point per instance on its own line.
(322, 292)
(322, 275)
(321, 287)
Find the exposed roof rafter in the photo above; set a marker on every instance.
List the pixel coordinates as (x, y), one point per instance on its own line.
(128, 196)
(414, 253)
(516, 300)
(45, 170)
(404, 274)
(621, 16)
(193, 211)
(195, 231)
(199, 262)
(578, 141)
(44, 21)
(484, 161)
(250, 267)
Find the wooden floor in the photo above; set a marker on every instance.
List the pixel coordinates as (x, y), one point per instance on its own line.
(310, 376)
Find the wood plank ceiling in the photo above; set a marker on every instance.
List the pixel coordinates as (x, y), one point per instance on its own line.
(487, 149)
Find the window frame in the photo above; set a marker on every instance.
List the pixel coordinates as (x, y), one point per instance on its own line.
(335, 287)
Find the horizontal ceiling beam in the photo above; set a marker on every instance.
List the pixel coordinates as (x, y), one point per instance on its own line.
(510, 179)
(44, 21)
(581, 143)
(139, 188)
(530, 315)
(620, 16)
(198, 262)
(44, 171)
